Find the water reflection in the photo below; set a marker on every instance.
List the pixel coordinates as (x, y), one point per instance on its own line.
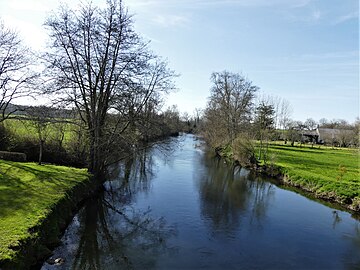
(352, 258)
(225, 217)
(108, 233)
(227, 195)
(337, 218)
(132, 175)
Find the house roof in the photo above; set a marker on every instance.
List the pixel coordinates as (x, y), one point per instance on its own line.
(310, 132)
(334, 130)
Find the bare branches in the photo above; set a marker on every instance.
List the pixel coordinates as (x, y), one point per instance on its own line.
(230, 106)
(16, 76)
(100, 65)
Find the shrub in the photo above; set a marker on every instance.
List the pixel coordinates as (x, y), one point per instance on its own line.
(244, 150)
(13, 156)
(4, 137)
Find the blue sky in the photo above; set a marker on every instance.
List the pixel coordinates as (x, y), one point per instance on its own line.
(304, 51)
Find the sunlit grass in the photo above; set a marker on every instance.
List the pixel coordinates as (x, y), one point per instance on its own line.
(320, 169)
(23, 128)
(27, 194)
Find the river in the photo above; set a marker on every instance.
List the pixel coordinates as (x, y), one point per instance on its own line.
(175, 206)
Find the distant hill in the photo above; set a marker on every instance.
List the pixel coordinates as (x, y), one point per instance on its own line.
(54, 112)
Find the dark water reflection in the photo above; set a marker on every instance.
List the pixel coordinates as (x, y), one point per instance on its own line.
(174, 206)
(228, 193)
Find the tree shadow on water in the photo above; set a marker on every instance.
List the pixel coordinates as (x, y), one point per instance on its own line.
(111, 233)
(230, 195)
(352, 256)
(118, 237)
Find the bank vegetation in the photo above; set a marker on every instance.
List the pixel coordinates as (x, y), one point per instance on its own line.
(102, 90)
(257, 132)
(36, 204)
(104, 85)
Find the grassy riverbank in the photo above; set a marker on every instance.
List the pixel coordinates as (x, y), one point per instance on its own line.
(29, 193)
(329, 173)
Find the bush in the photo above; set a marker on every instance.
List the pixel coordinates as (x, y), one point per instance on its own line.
(13, 156)
(244, 150)
(4, 137)
(52, 153)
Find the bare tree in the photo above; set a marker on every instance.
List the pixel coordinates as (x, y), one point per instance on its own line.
(16, 75)
(101, 66)
(310, 124)
(356, 132)
(334, 123)
(198, 113)
(172, 119)
(39, 118)
(197, 117)
(323, 122)
(284, 114)
(230, 106)
(293, 132)
(345, 137)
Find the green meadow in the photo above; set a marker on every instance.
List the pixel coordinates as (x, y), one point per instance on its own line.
(26, 129)
(28, 193)
(332, 173)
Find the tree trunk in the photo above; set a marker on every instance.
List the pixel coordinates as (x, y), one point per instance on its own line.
(96, 159)
(260, 149)
(41, 151)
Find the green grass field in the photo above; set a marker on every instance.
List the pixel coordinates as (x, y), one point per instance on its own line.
(325, 171)
(26, 129)
(28, 192)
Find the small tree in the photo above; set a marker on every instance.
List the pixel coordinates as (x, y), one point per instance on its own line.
(198, 115)
(293, 131)
(264, 125)
(39, 118)
(356, 132)
(284, 114)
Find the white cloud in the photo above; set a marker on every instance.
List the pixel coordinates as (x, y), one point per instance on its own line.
(349, 16)
(257, 3)
(203, 3)
(332, 55)
(316, 15)
(171, 20)
(38, 6)
(32, 34)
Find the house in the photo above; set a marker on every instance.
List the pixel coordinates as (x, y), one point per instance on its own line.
(310, 136)
(333, 136)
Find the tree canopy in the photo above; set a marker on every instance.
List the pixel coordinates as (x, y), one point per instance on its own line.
(230, 105)
(100, 65)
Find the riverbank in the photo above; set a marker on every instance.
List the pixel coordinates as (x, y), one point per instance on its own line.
(36, 204)
(331, 174)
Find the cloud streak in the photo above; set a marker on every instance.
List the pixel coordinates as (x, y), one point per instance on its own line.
(211, 3)
(347, 17)
(171, 20)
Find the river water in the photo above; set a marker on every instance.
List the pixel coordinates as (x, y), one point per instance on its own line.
(175, 206)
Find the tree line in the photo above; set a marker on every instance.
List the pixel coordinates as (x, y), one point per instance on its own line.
(97, 66)
(236, 116)
(100, 69)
